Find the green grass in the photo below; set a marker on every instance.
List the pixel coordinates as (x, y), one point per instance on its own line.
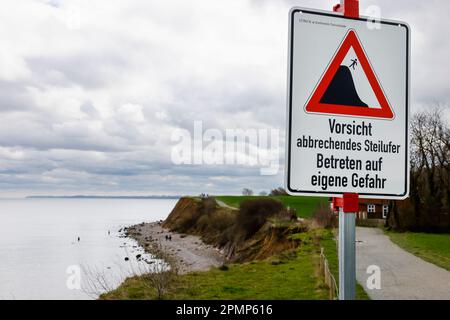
(304, 206)
(330, 249)
(434, 248)
(282, 278)
(289, 277)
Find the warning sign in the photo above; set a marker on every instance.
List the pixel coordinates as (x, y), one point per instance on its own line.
(337, 91)
(347, 106)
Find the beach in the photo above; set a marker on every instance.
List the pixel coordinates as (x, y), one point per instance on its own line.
(189, 252)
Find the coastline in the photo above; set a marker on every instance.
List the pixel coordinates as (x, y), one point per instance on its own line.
(277, 259)
(189, 252)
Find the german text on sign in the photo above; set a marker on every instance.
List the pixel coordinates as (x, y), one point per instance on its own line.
(347, 106)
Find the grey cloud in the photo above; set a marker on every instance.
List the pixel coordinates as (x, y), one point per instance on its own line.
(14, 97)
(89, 70)
(97, 108)
(89, 109)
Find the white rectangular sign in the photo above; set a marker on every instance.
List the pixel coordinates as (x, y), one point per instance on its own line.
(348, 105)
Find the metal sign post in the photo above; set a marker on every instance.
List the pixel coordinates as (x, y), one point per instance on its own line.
(348, 208)
(347, 256)
(350, 8)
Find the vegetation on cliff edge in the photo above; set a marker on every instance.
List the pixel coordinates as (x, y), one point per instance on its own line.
(303, 206)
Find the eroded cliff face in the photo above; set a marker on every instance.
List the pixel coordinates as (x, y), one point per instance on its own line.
(257, 230)
(182, 214)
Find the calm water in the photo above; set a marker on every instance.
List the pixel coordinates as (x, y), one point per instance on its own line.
(39, 242)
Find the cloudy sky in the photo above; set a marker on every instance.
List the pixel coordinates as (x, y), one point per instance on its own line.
(92, 91)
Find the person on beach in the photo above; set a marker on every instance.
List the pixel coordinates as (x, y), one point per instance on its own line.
(79, 239)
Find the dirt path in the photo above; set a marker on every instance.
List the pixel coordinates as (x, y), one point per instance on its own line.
(223, 204)
(189, 251)
(403, 275)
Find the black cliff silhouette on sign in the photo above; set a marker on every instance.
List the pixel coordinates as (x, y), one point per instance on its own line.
(342, 91)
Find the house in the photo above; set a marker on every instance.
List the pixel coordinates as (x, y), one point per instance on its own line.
(369, 209)
(373, 209)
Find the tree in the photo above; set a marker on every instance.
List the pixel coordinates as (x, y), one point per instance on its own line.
(428, 207)
(263, 193)
(278, 192)
(247, 192)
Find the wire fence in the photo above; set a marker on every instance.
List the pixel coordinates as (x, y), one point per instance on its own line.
(330, 281)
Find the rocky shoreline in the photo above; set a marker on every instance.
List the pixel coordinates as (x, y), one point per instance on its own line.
(189, 252)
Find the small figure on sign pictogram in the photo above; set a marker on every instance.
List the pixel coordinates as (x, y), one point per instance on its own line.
(354, 64)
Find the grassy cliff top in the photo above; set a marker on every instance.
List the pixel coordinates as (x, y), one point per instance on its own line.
(304, 206)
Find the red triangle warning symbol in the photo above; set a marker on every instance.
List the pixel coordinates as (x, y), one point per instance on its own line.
(336, 93)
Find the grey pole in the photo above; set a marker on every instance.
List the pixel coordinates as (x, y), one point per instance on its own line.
(347, 256)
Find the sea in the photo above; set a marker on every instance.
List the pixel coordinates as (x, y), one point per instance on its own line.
(69, 249)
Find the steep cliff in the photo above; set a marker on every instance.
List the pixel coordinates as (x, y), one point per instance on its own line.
(259, 229)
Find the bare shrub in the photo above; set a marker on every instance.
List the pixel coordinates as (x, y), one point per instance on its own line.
(159, 280)
(189, 220)
(163, 274)
(278, 192)
(323, 217)
(221, 220)
(156, 275)
(208, 205)
(254, 213)
(186, 222)
(215, 221)
(97, 282)
(203, 222)
(287, 214)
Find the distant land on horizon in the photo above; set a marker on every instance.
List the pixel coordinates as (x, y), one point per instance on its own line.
(102, 197)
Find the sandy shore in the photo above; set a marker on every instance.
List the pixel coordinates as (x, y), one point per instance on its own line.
(190, 253)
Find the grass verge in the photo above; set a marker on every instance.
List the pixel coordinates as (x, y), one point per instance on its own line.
(330, 249)
(434, 248)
